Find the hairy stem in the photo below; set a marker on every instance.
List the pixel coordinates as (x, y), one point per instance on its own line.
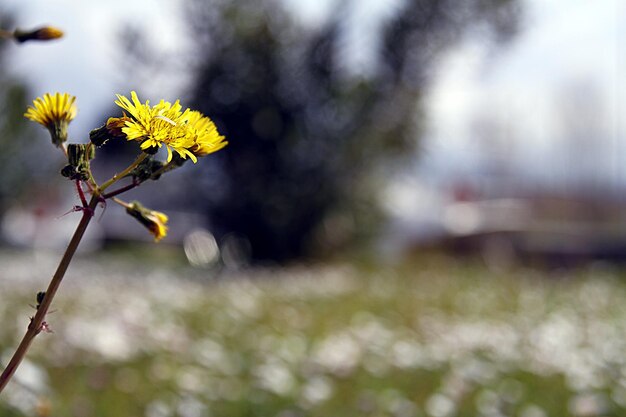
(36, 323)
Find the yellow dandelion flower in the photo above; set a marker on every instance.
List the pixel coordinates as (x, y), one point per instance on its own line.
(155, 126)
(204, 134)
(154, 221)
(54, 112)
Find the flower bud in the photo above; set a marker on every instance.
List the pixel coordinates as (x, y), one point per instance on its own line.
(147, 169)
(78, 156)
(99, 136)
(110, 130)
(154, 221)
(45, 33)
(79, 153)
(115, 125)
(68, 171)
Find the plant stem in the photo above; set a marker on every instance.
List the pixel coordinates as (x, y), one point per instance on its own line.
(124, 173)
(35, 326)
(121, 190)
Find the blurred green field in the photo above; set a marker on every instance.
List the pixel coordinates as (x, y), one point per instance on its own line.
(437, 337)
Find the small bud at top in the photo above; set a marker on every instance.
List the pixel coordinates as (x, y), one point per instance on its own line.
(45, 33)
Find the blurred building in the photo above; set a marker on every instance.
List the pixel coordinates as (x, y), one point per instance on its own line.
(506, 222)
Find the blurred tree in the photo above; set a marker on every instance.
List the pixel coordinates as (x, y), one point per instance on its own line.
(308, 137)
(16, 150)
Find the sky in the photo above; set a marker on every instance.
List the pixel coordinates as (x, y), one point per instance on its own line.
(93, 29)
(84, 62)
(567, 60)
(487, 107)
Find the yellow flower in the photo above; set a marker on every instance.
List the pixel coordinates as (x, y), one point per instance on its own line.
(55, 112)
(155, 126)
(189, 132)
(154, 221)
(203, 133)
(45, 33)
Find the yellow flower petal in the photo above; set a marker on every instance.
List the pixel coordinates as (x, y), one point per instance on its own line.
(54, 112)
(188, 132)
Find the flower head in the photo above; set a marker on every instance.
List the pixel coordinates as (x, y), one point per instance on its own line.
(45, 33)
(55, 112)
(154, 221)
(155, 126)
(203, 133)
(188, 133)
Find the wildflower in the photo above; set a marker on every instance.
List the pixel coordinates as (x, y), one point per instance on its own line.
(203, 133)
(54, 112)
(155, 126)
(154, 221)
(189, 132)
(45, 33)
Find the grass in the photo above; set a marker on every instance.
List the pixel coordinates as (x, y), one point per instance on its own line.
(434, 337)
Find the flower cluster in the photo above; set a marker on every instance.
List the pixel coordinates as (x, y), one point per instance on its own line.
(188, 132)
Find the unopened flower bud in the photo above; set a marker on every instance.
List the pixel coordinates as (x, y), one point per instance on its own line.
(45, 33)
(78, 156)
(110, 130)
(115, 125)
(68, 171)
(147, 169)
(79, 153)
(154, 221)
(99, 136)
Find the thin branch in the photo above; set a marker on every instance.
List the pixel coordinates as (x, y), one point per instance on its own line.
(37, 323)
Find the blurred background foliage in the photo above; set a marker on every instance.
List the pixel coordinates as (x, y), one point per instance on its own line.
(312, 139)
(13, 128)
(436, 338)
